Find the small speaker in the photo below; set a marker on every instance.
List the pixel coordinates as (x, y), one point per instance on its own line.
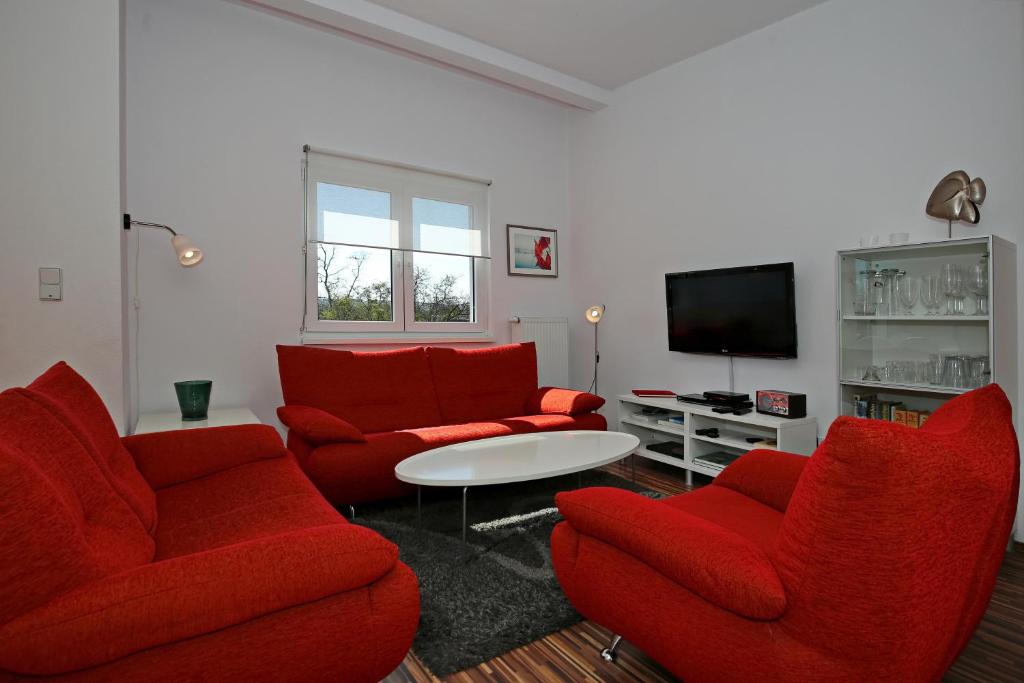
(781, 403)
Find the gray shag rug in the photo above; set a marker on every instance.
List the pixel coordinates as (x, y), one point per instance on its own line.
(497, 591)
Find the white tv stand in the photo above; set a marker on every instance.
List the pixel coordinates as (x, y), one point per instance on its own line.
(798, 435)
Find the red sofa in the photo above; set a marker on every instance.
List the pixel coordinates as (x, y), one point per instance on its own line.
(199, 555)
(872, 560)
(353, 416)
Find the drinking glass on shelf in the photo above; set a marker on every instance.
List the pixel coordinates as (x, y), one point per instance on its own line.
(880, 293)
(953, 288)
(906, 288)
(976, 281)
(935, 369)
(931, 294)
(863, 301)
(954, 372)
(980, 372)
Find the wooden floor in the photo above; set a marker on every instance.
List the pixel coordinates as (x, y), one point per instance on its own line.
(994, 655)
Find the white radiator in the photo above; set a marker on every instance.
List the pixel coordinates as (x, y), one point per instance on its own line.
(552, 338)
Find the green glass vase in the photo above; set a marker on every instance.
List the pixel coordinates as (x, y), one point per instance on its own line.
(193, 398)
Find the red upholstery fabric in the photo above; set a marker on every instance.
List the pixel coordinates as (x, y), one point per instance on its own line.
(471, 395)
(888, 552)
(258, 499)
(484, 384)
(719, 565)
(733, 511)
(554, 401)
(375, 391)
(50, 474)
(767, 476)
(167, 458)
(317, 426)
(192, 595)
(359, 636)
(81, 409)
(255, 576)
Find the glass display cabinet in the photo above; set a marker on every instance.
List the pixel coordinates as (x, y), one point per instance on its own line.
(919, 323)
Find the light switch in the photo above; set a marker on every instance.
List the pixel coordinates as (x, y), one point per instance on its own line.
(50, 284)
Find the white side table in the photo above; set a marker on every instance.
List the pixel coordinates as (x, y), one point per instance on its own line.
(165, 422)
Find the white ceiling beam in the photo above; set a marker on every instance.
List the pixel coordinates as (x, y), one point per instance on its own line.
(403, 32)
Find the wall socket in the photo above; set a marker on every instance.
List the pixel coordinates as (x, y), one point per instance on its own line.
(51, 285)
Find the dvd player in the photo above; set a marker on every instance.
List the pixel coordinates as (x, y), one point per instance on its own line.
(736, 401)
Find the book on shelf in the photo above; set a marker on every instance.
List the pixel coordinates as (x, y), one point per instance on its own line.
(653, 393)
(871, 407)
(674, 421)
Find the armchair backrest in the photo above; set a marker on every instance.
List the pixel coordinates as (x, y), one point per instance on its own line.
(892, 541)
(62, 523)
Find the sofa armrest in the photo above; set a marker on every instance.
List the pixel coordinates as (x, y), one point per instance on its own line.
(767, 476)
(715, 563)
(191, 595)
(555, 401)
(318, 427)
(168, 458)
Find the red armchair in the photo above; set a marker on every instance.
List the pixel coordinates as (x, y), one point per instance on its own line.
(191, 555)
(353, 416)
(872, 560)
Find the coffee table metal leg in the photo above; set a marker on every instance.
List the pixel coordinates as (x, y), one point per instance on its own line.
(464, 489)
(579, 480)
(419, 507)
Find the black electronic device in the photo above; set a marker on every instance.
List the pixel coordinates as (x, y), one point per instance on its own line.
(728, 397)
(748, 311)
(742, 411)
(721, 410)
(710, 432)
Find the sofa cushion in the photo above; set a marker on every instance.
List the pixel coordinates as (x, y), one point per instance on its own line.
(734, 511)
(555, 401)
(84, 528)
(261, 498)
(65, 391)
(318, 426)
(375, 391)
(484, 384)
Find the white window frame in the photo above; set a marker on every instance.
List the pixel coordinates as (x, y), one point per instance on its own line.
(403, 183)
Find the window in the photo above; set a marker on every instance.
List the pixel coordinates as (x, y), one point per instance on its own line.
(394, 252)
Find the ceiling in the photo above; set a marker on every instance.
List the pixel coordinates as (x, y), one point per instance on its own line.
(604, 42)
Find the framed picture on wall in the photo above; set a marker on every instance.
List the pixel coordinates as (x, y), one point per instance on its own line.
(532, 251)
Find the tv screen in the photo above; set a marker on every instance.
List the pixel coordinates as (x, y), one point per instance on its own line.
(748, 311)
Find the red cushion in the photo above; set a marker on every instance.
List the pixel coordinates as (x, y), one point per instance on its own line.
(374, 391)
(364, 633)
(554, 401)
(254, 500)
(65, 391)
(719, 565)
(84, 529)
(167, 458)
(192, 595)
(733, 511)
(484, 384)
(317, 426)
(766, 476)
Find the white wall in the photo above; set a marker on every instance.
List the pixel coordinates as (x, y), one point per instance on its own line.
(59, 191)
(220, 100)
(789, 144)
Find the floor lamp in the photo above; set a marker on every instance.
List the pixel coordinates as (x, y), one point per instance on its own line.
(594, 315)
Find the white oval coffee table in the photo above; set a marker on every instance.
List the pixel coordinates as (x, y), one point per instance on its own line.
(508, 459)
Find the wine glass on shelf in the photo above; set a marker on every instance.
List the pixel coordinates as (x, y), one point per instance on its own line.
(931, 294)
(906, 288)
(977, 284)
(953, 288)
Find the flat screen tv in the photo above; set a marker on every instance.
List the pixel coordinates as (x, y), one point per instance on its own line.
(749, 311)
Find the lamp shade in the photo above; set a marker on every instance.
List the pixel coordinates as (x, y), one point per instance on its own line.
(595, 313)
(188, 254)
